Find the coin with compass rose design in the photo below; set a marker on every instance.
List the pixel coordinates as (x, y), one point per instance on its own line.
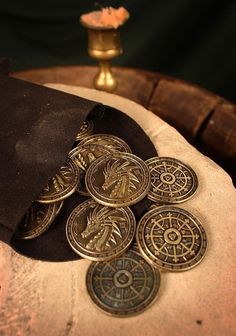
(123, 286)
(172, 181)
(171, 238)
(100, 233)
(118, 179)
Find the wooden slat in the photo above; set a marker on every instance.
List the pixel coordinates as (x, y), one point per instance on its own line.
(219, 136)
(183, 105)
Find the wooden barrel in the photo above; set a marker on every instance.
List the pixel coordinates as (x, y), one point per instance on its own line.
(207, 120)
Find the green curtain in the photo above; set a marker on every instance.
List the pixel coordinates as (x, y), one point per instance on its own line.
(194, 40)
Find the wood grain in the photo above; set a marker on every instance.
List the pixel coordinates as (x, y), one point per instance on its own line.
(182, 105)
(219, 135)
(205, 119)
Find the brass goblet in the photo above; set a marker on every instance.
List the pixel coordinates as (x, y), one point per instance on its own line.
(104, 44)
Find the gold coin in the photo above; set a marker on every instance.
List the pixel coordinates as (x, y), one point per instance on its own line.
(123, 286)
(83, 156)
(37, 220)
(118, 179)
(85, 130)
(172, 181)
(100, 233)
(62, 185)
(112, 142)
(171, 238)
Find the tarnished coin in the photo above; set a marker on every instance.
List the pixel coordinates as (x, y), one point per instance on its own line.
(123, 286)
(172, 181)
(100, 233)
(109, 141)
(83, 156)
(62, 185)
(171, 238)
(37, 220)
(118, 179)
(85, 130)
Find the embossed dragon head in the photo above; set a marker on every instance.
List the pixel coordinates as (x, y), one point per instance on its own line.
(98, 219)
(115, 171)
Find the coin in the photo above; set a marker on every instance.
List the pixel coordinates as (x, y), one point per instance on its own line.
(62, 185)
(85, 130)
(172, 181)
(100, 233)
(83, 156)
(37, 220)
(171, 238)
(123, 286)
(118, 179)
(109, 141)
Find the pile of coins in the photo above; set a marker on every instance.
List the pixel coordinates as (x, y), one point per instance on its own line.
(124, 277)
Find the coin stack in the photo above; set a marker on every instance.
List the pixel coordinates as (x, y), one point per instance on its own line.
(124, 277)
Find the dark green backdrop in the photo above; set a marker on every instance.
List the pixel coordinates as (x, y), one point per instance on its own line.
(190, 39)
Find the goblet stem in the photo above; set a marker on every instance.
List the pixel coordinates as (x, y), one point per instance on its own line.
(105, 80)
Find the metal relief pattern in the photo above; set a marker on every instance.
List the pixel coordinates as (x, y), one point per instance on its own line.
(99, 233)
(172, 181)
(123, 286)
(85, 130)
(171, 238)
(36, 220)
(118, 179)
(83, 156)
(112, 142)
(62, 185)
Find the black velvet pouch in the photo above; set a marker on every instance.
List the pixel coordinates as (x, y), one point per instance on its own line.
(38, 128)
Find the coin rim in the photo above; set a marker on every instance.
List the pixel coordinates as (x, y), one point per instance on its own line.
(158, 264)
(182, 198)
(40, 229)
(121, 142)
(117, 203)
(74, 185)
(72, 154)
(155, 290)
(72, 242)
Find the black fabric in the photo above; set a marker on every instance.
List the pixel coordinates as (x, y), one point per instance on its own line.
(53, 245)
(38, 128)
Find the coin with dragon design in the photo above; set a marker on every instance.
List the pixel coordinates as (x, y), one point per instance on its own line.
(83, 156)
(100, 233)
(118, 179)
(85, 130)
(171, 238)
(37, 220)
(123, 286)
(109, 141)
(62, 185)
(172, 181)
